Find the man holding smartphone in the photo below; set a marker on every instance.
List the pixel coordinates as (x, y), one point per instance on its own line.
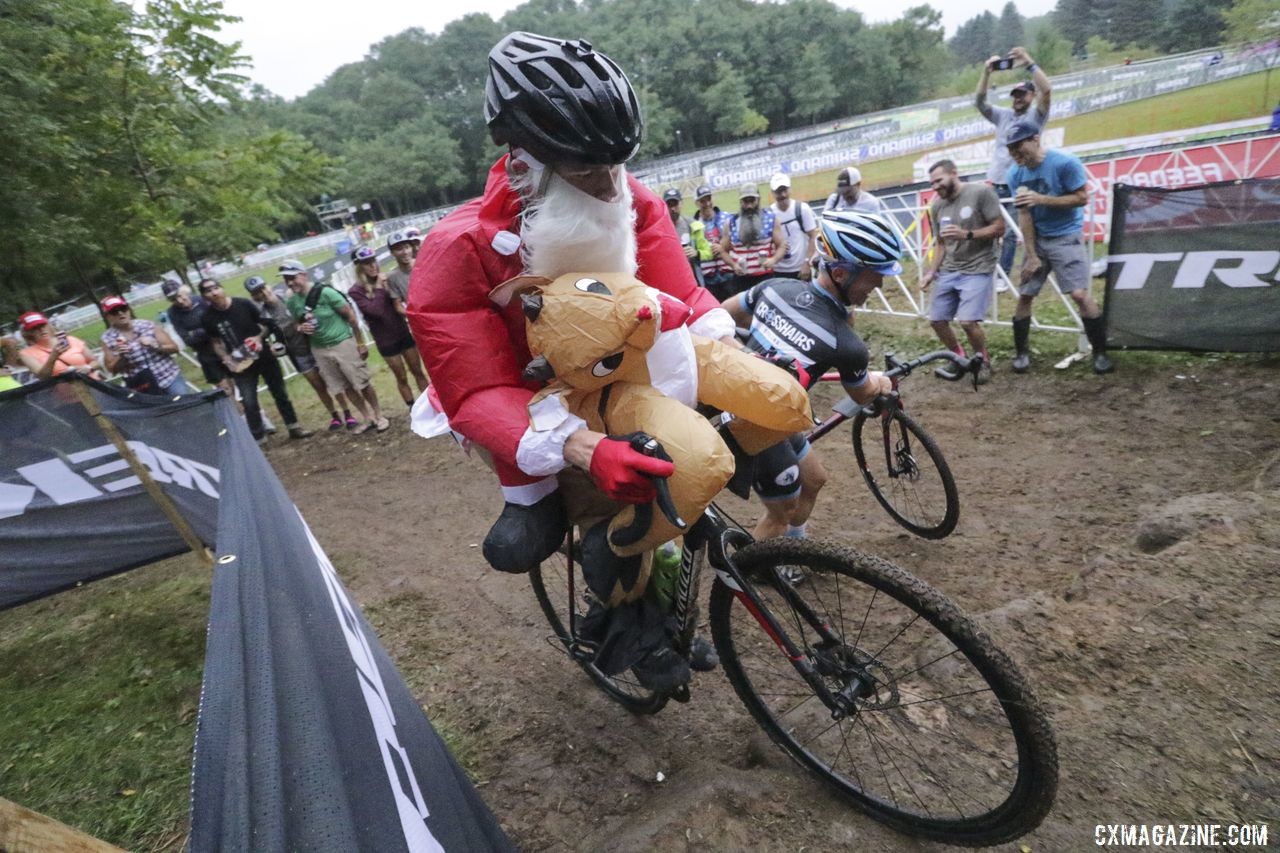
(1030, 102)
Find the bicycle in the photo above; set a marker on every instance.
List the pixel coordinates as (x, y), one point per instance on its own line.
(938, 717)
(918, 490)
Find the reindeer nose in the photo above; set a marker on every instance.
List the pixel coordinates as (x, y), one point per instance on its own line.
(539, 370)
(532, 305)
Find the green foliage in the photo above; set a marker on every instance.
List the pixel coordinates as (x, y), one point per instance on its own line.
(1051, 51)
(1191, 25)
(1009, 31)
(1251, 20)
(134, 156)
(975, 40)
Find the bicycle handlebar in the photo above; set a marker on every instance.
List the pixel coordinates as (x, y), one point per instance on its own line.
(639, 526)
(895, 368)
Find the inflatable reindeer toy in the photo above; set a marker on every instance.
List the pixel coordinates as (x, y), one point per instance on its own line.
(618, 356)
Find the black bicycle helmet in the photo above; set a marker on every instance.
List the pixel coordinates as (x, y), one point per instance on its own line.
(562, 100)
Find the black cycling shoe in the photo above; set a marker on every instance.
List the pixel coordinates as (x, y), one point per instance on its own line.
(662, 670)
(702, 655)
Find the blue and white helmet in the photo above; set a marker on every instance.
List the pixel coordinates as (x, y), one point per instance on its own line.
(853, 238)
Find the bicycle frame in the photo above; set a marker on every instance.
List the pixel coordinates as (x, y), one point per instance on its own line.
(713, 537)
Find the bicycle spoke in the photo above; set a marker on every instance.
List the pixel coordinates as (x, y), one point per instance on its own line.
(902, 775)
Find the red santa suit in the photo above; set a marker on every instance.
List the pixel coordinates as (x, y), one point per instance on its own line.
(475, 351)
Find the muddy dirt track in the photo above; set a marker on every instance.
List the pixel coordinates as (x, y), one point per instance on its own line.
(1120, 537)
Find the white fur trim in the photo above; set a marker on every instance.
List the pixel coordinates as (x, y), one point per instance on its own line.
(530, 494)
(541, 449)
(426, 420)
(673, 366)
(715, 324)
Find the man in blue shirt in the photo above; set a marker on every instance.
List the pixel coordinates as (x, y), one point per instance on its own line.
(1050, 192)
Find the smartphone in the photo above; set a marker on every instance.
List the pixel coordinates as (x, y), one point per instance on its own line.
(1002, 64)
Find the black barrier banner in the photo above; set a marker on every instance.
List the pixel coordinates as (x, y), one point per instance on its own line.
(72, 510)
(1195, 268)
(308, 738)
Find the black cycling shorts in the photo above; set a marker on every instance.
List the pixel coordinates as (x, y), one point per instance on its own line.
(777, 469)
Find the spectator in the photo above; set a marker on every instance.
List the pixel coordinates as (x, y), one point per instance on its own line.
(1024, 95)
(850, 196)
(186, 314)
(751, 242)
(966, 221)
(49, 353)
(799, 230)
(684, 230)
(13, 373)
(336, 342)
(403, 245)
(1275, 120)
(717, 275)
(276, 317)
(234, 327)
(1052, 187)
(383, 313)
(140, 350)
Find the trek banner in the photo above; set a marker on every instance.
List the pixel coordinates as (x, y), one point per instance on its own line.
(1195, 268)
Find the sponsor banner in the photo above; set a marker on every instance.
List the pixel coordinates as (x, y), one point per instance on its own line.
(307, 736)
(1193, 165)
(1195, 268)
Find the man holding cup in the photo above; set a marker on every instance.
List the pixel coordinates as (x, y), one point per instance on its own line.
(1050, 192)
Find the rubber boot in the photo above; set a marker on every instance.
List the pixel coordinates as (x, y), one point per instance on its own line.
(524, 536)
(1096, 331)
(1021, 334)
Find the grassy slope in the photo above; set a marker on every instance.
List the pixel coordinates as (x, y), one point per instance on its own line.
(1229, 100)
(99, 687)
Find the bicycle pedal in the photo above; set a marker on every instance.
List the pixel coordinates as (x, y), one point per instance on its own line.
(681, 694)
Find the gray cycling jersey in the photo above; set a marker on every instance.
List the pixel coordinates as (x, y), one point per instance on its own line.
(800, 319)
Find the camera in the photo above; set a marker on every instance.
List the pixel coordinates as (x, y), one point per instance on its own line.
(1002, 64)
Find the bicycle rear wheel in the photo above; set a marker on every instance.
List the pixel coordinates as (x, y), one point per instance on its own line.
(906, 473)
(940, 735)
(551, 587)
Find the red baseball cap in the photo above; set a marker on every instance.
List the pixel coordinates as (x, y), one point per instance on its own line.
(111, 303)
(32, 320)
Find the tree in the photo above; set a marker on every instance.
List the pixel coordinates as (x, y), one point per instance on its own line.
(1051, 51)
(1136, 22)
(975, 39)
(1192, 25)
(727, 109)
(1009, 32)
(1251, 20)
(815, 90)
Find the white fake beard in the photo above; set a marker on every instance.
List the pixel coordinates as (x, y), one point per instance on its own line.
(566, 230)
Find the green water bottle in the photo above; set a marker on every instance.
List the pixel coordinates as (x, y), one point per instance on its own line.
(666, 569)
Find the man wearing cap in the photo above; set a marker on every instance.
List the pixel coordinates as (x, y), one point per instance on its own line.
(684, 230)
(849, 194)
(186, 316)
(751, 243)
(403, 245)
(717, 275)
(235, 330)
(799, 230)
(1030, 100)
(1051, 190)
(276, 317)
(336, 342)
(49, 353)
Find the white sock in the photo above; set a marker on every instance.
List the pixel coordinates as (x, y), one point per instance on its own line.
(797, 531)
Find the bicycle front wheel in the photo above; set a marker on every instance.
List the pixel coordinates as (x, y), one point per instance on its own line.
(926, 725)
(906, 473)
(551, 587)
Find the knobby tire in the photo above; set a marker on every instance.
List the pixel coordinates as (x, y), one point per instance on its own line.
(950, 744)
(928, 505)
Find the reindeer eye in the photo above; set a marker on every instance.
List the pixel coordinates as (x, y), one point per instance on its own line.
(606, 365)
(590, 285)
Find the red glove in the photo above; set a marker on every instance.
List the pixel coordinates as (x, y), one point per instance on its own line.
(788, 364)
(623, 473)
